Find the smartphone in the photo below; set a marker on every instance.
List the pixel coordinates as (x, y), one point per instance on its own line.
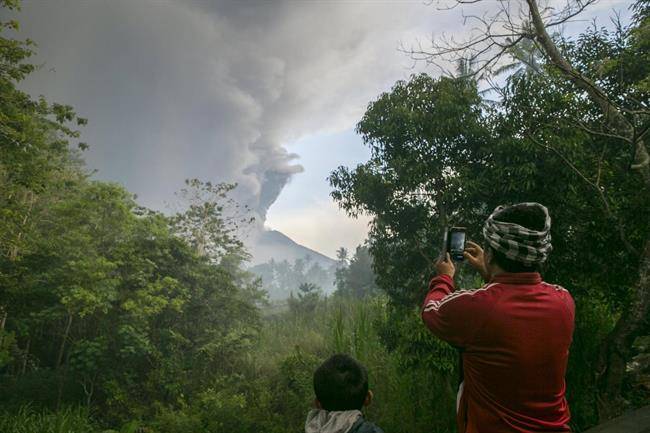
(455, 243)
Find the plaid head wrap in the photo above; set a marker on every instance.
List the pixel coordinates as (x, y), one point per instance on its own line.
(516, 242)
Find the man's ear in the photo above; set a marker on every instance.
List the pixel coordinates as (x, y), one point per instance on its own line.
(317, 404)
(368, 399)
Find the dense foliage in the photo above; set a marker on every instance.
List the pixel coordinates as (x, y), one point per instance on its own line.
(102, 302)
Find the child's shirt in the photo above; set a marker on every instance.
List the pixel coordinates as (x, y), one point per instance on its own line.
(349, 421)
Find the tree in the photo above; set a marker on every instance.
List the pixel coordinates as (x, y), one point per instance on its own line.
(210, 221)
(280, 279)
(508, 161)
(425, 137)
(306, 301)
(34, 139)
(526, 57)
(617, 110)
(357, 279)
(342, 256)
(37, 166)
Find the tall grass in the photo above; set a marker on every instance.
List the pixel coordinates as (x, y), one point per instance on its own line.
(408, 397)
(29, 420)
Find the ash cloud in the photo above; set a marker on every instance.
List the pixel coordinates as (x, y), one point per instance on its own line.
(213, 90)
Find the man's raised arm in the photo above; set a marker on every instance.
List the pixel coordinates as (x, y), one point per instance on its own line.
(451, 315)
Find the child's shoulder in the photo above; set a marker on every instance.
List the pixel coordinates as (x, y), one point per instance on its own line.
(363, 426)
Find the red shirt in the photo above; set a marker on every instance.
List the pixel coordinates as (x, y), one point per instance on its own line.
(515, 332)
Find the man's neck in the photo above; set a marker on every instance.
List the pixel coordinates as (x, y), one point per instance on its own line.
(494, 271)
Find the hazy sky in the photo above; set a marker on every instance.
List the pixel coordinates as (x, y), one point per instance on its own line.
(263, 93)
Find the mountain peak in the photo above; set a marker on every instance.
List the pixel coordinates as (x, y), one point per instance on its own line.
(272, 244)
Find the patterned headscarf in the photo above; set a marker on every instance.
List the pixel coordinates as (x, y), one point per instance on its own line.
(516, 242)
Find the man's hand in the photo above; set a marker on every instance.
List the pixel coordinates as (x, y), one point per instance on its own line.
(474, 256)
(446, 267)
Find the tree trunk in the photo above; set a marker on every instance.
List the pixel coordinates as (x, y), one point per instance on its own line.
(62, 379)
(66, 333)
(15, 249)
(88, 385)
(617, 349)
(3, 321)
(25, 356)
(59, 361)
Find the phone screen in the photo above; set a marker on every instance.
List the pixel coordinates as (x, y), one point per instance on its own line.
(457, 242)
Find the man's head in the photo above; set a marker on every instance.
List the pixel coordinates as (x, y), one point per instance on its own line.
(341, 383)
(517, 238)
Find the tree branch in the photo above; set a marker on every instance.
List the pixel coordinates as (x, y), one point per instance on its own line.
(599, 189)
(611, 111)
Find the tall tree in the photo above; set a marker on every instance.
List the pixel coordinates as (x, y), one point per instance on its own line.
(618, 96)
(209, 220)
(357, 279)
(425, 137)
(37, 164)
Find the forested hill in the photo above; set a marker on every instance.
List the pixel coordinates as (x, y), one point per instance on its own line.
(283, 265)
(117, 318)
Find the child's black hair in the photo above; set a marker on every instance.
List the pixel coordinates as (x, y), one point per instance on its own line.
(341, 383)
(529, 217)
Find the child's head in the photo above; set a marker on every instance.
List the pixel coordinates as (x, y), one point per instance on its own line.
(341, 383)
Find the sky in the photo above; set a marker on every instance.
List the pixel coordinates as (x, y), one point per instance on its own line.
(259, 92)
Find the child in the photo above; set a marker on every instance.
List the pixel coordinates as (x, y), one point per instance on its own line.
(341, 388)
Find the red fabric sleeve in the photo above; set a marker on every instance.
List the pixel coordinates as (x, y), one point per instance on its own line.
(452, 315)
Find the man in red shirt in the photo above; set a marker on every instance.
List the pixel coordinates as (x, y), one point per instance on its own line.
(514, 332)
